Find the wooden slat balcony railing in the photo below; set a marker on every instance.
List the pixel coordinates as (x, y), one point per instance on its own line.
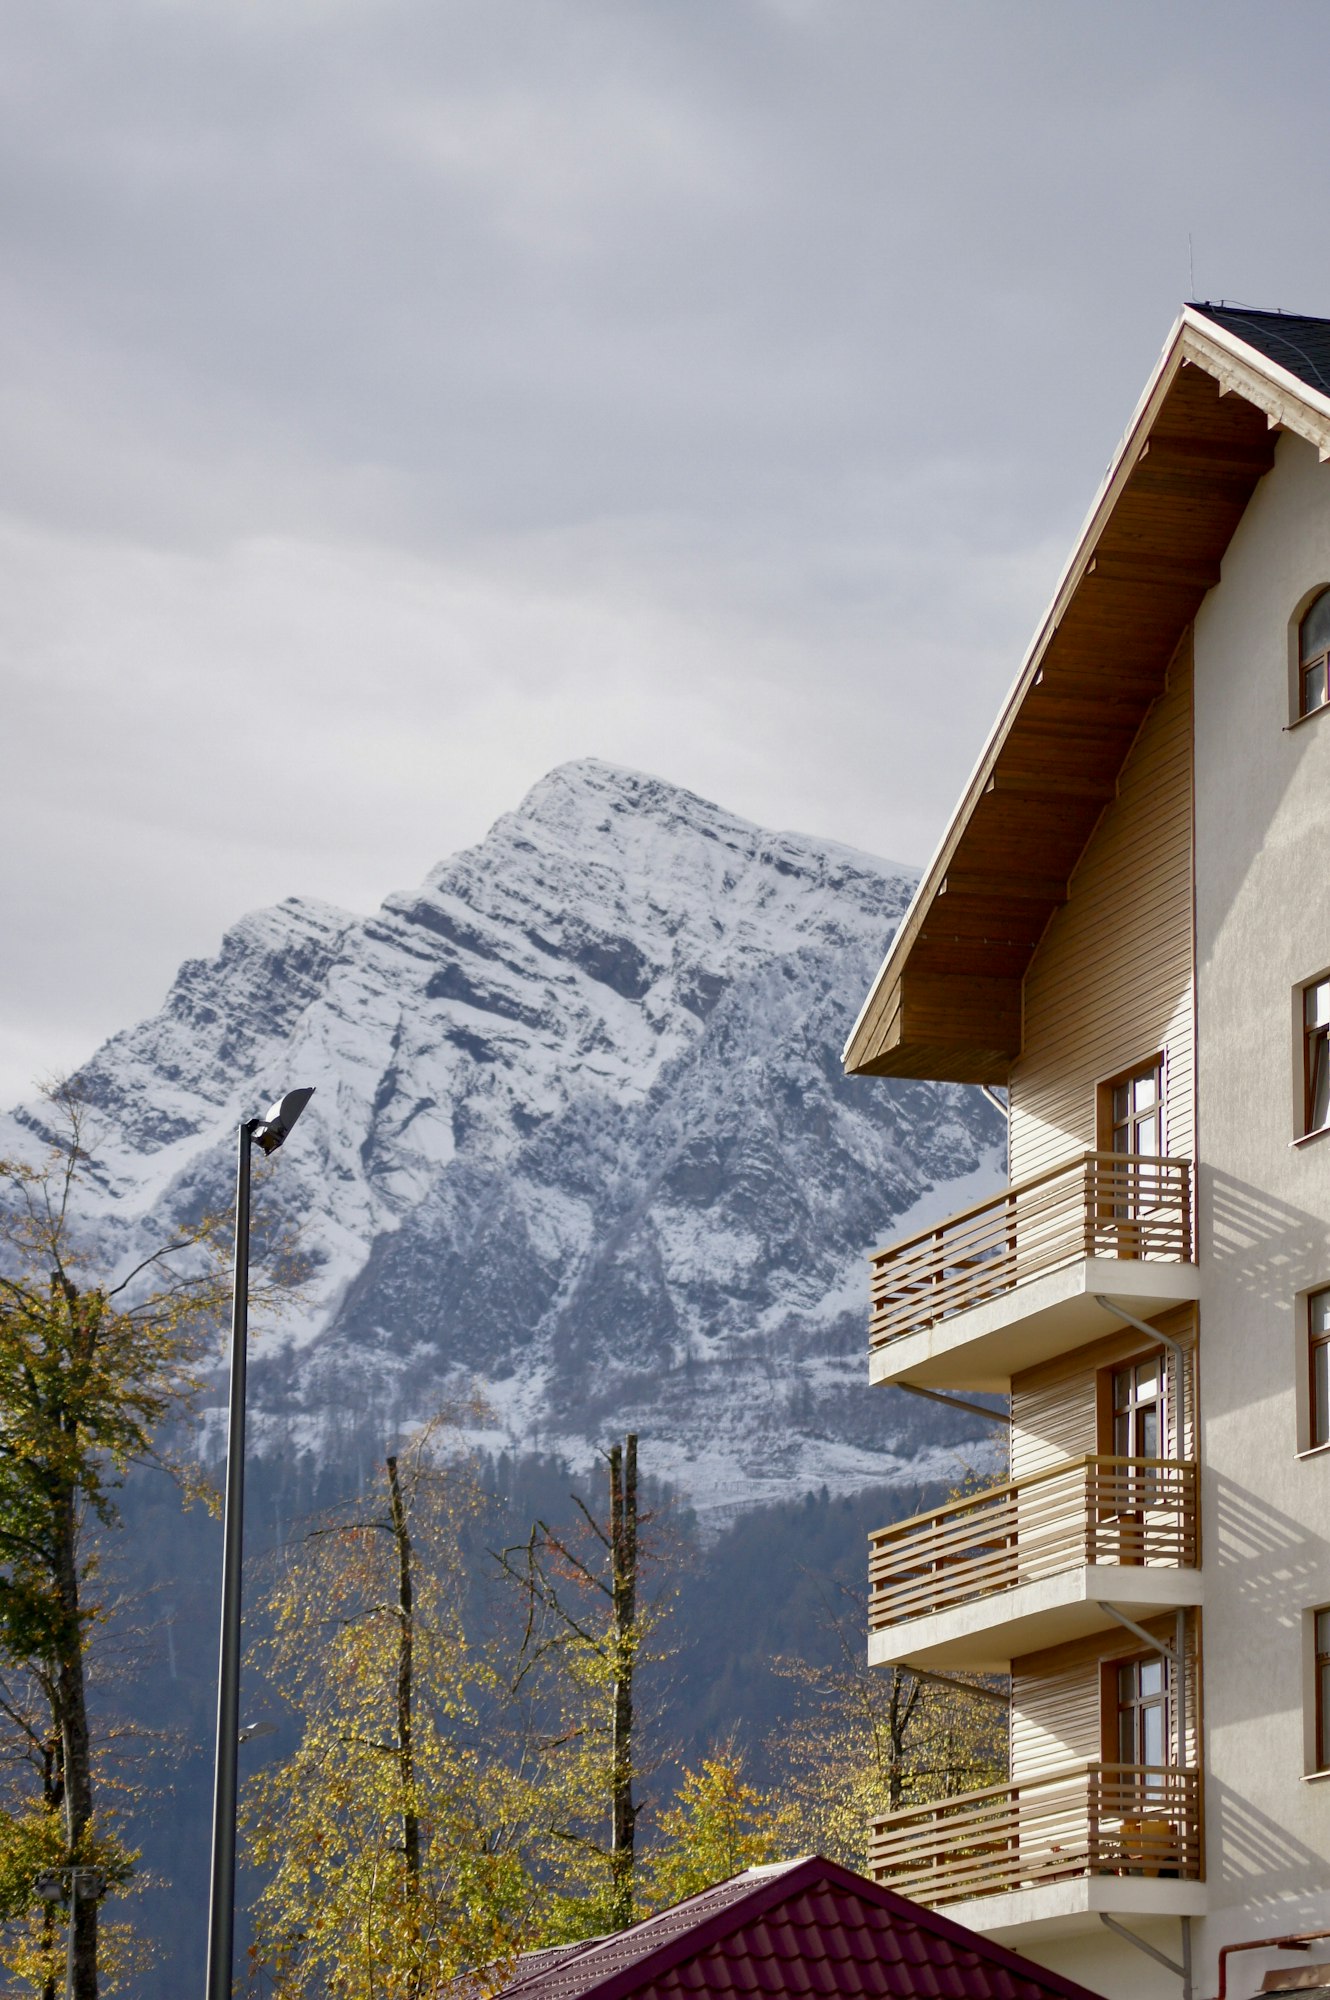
(1092, 1510)
(1086, 1819)
(1097, 1205)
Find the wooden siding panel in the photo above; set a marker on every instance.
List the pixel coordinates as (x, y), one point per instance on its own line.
(1054, 1407)
(1055, 1719)
(1053, 1422)
(1056, 1698)
(1111, 982)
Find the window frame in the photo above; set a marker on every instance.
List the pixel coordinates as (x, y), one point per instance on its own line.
(1109, 1124)
(1316, 1342)
(1123, 1209)
(1318, 1759)
(1314, 1054)
(1297, 713)
(1303, 665)
(1135, 1405)
(1135, 1707)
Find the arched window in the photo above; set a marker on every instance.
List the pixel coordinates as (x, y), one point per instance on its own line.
(1313, 656)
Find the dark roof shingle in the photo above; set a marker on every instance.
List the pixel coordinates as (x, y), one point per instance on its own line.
(805, 1927)
(1294, 340)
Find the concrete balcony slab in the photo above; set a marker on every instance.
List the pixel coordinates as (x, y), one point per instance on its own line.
(986, 1634)
(1060, 1909)
(983, 1346)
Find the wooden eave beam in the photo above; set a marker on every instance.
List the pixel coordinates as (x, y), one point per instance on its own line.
(1152, 546)
(1139, 569)
(1049, 783)
(995, 887)
(1247, 458)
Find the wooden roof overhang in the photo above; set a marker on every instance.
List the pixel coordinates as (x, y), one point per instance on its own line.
(947, 1001)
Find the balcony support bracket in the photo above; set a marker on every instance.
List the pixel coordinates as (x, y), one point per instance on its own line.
(1175, 1347)
(999, 1104)
(1182, 1971)
(956, 1403)
(1000, 1696)
(1171, 1653)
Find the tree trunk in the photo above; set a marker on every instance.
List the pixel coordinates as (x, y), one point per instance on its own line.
(48, 1944)
(623, 1589)
(900, 1713)
(405, 1642)
(75, 1752)
(53, 1797)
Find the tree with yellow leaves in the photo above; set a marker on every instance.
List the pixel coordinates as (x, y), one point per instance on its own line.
(396, 1838)
(718, 1825)
(92, 1366)
(867, 1741)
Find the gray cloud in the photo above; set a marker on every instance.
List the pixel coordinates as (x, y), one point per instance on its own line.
(435, 391)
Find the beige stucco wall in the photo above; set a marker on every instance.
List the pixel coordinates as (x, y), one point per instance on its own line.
(1262, 821)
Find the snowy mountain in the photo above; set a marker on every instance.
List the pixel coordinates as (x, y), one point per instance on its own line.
(580, 1137)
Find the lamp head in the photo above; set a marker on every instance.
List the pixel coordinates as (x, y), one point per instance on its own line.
(276, 1123)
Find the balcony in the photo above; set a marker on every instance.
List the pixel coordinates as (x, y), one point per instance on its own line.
(1013, 1280)
(1051, 1849)
(979, 1581)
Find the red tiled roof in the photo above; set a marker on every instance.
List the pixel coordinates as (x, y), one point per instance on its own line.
(805, 1927)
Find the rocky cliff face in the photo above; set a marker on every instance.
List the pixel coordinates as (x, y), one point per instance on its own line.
(579, 1137)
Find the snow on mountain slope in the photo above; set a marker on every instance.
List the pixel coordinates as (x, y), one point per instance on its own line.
(579, 1136)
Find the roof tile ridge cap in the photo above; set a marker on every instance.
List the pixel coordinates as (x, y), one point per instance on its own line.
(560, 1956)
(531, 1981)
(684, 1943)
(1261, 364)
(613, 1942)
(550, 1956)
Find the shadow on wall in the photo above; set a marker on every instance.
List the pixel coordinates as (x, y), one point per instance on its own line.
(1260, 1241)
(1277, 1566)
(1259, 1860)
(1264, 1249)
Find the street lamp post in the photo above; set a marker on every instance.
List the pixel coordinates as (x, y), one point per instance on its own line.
(268, 1133)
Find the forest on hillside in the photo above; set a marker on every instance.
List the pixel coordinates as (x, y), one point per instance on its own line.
(736, 1616)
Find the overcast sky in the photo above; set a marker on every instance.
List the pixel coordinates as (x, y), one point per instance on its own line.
(399, 399)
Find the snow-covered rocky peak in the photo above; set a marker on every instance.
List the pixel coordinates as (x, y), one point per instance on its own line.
(579, 1136)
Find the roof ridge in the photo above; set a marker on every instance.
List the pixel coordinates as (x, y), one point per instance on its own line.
(634, 1961)
(1235, 317)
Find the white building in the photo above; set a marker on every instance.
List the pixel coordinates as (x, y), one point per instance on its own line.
(1127, 924)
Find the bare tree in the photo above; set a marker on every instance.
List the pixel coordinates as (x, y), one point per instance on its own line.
(583, 1611)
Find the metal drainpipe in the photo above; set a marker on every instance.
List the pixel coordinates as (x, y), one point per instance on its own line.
(1284, 1941)
(1179, 1354)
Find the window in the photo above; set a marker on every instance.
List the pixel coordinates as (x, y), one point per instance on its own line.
(1318, 1338)
(1314, 656)
(1316, 1055)
(1135, 1114)
(1321, 1631)
(1131, 1126)
(1138, 1408)
(1143, 1708)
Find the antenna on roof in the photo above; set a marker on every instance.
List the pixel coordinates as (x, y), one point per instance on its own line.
(1191, 266)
